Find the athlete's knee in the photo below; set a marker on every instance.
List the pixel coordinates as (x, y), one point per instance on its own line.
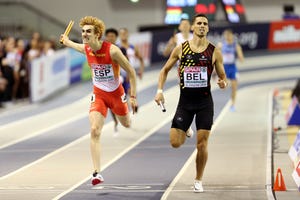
(95, 132)
(125, 120)
(126, 124)
(202, 144)
(175, 142)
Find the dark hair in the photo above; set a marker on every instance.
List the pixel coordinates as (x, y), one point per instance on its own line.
(229, 30)
(198, 15)
(112, 30)
(184, 19)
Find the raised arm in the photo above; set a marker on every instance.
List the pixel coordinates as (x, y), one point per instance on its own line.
(69, 43)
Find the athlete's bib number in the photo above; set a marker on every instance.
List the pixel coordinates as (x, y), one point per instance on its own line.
(103, 73)
(195, 77)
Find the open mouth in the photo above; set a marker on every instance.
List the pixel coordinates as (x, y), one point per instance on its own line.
(85, 40)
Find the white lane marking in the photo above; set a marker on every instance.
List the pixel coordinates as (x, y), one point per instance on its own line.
(193, 155)
(50, 112)
(45, 157)
(269, 173)
(44, 130)
(150, 132)
(25, 121)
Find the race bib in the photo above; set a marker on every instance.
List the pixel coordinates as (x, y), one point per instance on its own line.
(103, 73)
(195, 77)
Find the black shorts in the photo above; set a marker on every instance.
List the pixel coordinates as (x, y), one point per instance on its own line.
(185, 113)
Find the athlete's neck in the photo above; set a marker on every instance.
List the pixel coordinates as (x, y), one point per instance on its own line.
(96, 46)
(198, 44)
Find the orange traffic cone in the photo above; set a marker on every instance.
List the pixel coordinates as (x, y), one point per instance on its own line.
(279, 184)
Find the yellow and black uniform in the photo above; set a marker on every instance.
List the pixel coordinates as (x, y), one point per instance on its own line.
(195, 71)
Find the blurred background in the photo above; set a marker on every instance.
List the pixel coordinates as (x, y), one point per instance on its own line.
(33, 27)
(45, 90)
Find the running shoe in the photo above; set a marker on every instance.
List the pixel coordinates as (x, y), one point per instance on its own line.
(232, 108)
(198, 186)
(116, 131)
(97, 178)
(190, 132)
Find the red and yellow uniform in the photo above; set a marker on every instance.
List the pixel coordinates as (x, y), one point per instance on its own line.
(108, 92)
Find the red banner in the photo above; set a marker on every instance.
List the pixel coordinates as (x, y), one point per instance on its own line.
(284, 35)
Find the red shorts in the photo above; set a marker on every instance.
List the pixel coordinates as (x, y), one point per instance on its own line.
(115, 100)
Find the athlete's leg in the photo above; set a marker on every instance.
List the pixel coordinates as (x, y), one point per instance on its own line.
(96, 123)
(234, 86)
(177, 137)
(115, 120)
(202, 154)
(125, 120)
(181, 122)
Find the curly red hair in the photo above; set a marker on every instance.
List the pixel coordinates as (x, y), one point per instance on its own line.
(99, 26)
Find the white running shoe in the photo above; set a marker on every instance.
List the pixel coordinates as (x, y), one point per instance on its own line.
(190, 132)
(97, 178)
(116, 131)
(198, 186)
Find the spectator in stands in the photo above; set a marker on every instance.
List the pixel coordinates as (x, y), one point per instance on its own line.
(10, 69)
(3, 83)
(34, 49)
(23, 89)
(48, 48)
(289, 12)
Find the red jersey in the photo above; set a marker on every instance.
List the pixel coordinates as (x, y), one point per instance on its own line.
(105, 72)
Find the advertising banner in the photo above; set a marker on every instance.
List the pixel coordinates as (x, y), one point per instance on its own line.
(284, 35)
(250, 36)
(78, 72)
(49, 74)
(159, 42)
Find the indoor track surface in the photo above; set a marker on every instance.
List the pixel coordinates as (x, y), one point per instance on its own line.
(44, 148)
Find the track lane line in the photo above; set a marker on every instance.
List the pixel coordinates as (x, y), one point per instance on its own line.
(150, 132)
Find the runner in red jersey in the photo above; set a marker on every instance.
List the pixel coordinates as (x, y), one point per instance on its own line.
(104, 60)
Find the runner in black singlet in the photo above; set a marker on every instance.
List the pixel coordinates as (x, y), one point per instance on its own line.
(198, 57)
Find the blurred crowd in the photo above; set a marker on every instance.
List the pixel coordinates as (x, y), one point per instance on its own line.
(16, 55)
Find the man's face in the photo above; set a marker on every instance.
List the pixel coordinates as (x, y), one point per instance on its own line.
(88, 34)
(200, 26)
(123, 34)
(184, 26)
(228, 36)
(111, 37)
